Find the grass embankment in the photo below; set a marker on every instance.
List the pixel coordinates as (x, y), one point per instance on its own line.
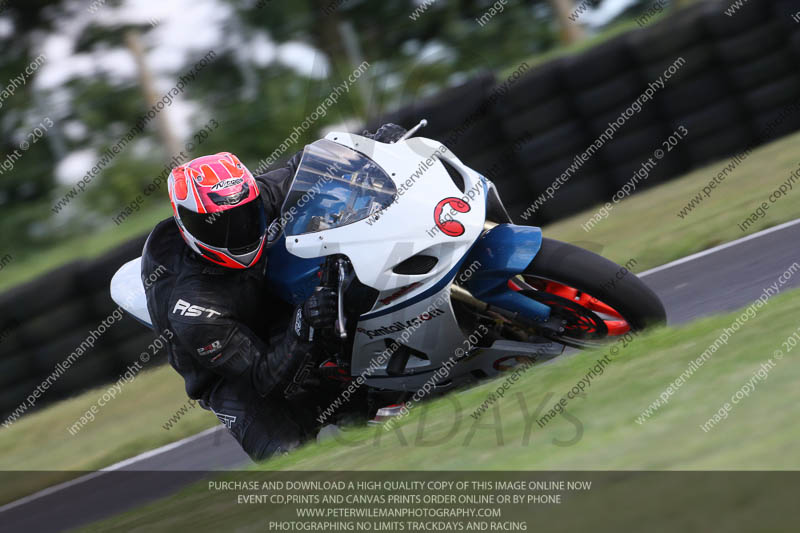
(127, 425)
(601, 432)
(647, 227)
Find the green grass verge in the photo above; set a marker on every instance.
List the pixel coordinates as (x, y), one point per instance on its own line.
(611, 439)
(601, 432)
(128, 425)
(646, 226)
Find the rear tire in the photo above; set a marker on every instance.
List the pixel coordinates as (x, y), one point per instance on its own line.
(598, 277)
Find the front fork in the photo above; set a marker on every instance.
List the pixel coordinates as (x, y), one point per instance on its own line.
(552, 325)
(335, 275)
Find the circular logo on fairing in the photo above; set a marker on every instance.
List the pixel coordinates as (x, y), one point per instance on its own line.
(450, 227)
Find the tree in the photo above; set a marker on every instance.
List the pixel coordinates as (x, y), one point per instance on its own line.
(570, 31)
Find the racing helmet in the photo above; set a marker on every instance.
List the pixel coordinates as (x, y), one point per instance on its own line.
(216, 204)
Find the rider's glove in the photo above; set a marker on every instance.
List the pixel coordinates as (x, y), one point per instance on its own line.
(320, 310)
(388, 133)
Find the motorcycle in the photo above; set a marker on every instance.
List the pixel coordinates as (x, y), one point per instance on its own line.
(437, 288)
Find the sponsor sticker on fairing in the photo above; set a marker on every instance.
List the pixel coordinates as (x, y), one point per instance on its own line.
(398, 326)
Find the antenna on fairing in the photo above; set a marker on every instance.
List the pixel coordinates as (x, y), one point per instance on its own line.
(412, 131)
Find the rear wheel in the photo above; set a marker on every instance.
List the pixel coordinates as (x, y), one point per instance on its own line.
(596, 299)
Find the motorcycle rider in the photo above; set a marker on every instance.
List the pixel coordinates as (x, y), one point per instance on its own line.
(242, 352)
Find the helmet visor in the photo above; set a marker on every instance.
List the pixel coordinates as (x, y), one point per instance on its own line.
(239, 229)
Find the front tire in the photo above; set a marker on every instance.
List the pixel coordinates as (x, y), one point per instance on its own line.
(590, 293)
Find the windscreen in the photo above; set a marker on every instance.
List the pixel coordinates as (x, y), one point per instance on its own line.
(334, 186)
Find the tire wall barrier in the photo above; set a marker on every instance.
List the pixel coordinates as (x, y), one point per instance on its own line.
(739, 87)
(44, 321)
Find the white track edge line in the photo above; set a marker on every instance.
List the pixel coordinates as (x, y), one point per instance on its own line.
(117, 466)
(718, 248)
(158, 451)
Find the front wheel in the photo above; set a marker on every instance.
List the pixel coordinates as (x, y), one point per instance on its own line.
(594, 298)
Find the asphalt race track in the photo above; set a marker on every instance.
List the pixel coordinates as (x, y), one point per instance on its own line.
(717, 280)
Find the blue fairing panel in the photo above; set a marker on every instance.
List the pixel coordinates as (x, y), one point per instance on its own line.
(503, 252)
(291, 277)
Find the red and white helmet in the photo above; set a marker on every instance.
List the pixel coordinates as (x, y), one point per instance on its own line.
(216, 204)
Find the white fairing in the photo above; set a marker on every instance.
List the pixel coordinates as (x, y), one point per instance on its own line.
(406, 228)
(127, 290)
(428, 326)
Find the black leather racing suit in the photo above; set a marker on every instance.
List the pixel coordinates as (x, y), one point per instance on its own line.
(234, 342)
